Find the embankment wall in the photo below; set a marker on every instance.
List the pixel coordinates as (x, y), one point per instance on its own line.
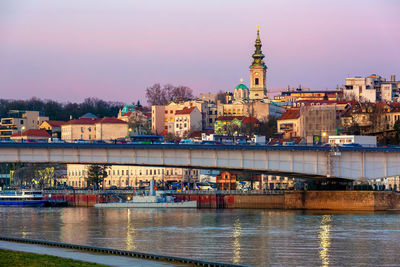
(307, 200)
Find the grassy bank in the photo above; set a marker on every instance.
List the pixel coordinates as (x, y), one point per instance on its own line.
(16, 258)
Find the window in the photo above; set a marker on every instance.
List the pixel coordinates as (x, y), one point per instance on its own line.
(256, 81)
(81, 129)
(122, 172)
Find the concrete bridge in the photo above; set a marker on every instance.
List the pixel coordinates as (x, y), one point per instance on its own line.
(355, 163)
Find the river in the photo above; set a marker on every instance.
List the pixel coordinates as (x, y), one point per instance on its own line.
(251, 237)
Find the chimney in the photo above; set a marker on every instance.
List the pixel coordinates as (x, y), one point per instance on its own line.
(392, 78)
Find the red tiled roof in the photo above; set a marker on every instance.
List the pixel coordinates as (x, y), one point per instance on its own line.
(110, 120)
(83, 121)
(94, 121)
(229, 118)
(197, 134)
(290, 114)
(33, 132)
(184, 111)
(250, 119)
(127, 114)
(147, 114)
(327, 101)
(56, 123)
(164, 133)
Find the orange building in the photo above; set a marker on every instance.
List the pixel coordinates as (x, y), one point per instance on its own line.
(226, 181)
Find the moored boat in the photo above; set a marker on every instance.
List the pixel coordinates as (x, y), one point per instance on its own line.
(159, 200)
(25, 198)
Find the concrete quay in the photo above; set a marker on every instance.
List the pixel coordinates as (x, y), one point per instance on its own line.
(287, 200)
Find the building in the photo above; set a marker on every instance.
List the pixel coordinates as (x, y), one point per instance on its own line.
(139, 122)
(369, 141)
(299, 94)
(371, 89)
(19, 121)
(135, 176)
(53, 127)
(164, 116)
(258, 70)
(90, 129)
(289, 123)
(32, 134)
(318, 122)
(261, 110)
(226, 181)
(186, 121)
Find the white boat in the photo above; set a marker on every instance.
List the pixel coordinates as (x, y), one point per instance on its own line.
(159, 200)
(25, 198)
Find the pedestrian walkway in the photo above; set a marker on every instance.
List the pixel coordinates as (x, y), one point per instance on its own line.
(111, 260)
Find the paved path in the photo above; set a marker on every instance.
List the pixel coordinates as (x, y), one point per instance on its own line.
(84, 256)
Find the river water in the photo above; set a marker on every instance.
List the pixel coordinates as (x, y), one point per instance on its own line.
(250, 237)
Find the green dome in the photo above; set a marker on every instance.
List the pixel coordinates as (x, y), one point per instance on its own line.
(241, 86)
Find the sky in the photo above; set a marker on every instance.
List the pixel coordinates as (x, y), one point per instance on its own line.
(67, 50)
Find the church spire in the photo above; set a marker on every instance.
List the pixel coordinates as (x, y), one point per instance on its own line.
(258, 55)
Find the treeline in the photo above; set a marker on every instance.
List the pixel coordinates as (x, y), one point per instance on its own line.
(62, 111)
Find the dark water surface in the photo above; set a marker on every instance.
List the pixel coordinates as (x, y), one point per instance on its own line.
(252, 237)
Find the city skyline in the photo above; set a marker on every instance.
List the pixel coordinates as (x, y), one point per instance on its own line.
(68, 52)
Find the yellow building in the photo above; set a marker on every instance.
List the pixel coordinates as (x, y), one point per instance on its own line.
(134, 176)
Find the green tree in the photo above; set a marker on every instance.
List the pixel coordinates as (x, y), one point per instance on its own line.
(396, 128)
(96, 174)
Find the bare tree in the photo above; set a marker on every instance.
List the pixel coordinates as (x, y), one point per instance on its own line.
(139, 123)
(156, 95)
(180, 93)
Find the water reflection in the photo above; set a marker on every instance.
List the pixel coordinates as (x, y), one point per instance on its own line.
(130, 233)
(237, 231)
(250, 237)
(325, 239)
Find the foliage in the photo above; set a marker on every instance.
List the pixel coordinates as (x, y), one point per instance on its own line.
(396, 128)
(170, 137)
(40, 175)
(62, 111)
(17, 258)
(267, 127)
(96, 174)
(157, 95)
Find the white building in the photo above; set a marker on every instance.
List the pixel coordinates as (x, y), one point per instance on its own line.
(352, 139)
(372, 89)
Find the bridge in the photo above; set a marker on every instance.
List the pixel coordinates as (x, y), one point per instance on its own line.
(354, 163)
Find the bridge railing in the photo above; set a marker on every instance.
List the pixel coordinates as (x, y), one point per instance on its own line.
(187, 192)
(226, 192)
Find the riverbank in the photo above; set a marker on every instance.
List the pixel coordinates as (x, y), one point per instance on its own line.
(17, 258)
(285, 200)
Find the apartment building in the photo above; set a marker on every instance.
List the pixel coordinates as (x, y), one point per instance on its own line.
(19, 121)
(163, 117)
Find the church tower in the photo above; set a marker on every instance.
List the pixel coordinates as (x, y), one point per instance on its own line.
(258, 70)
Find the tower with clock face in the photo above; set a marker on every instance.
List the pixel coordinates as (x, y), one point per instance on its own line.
(258, 70)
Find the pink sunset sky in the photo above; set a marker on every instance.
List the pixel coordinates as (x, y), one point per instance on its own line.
(69, 50)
